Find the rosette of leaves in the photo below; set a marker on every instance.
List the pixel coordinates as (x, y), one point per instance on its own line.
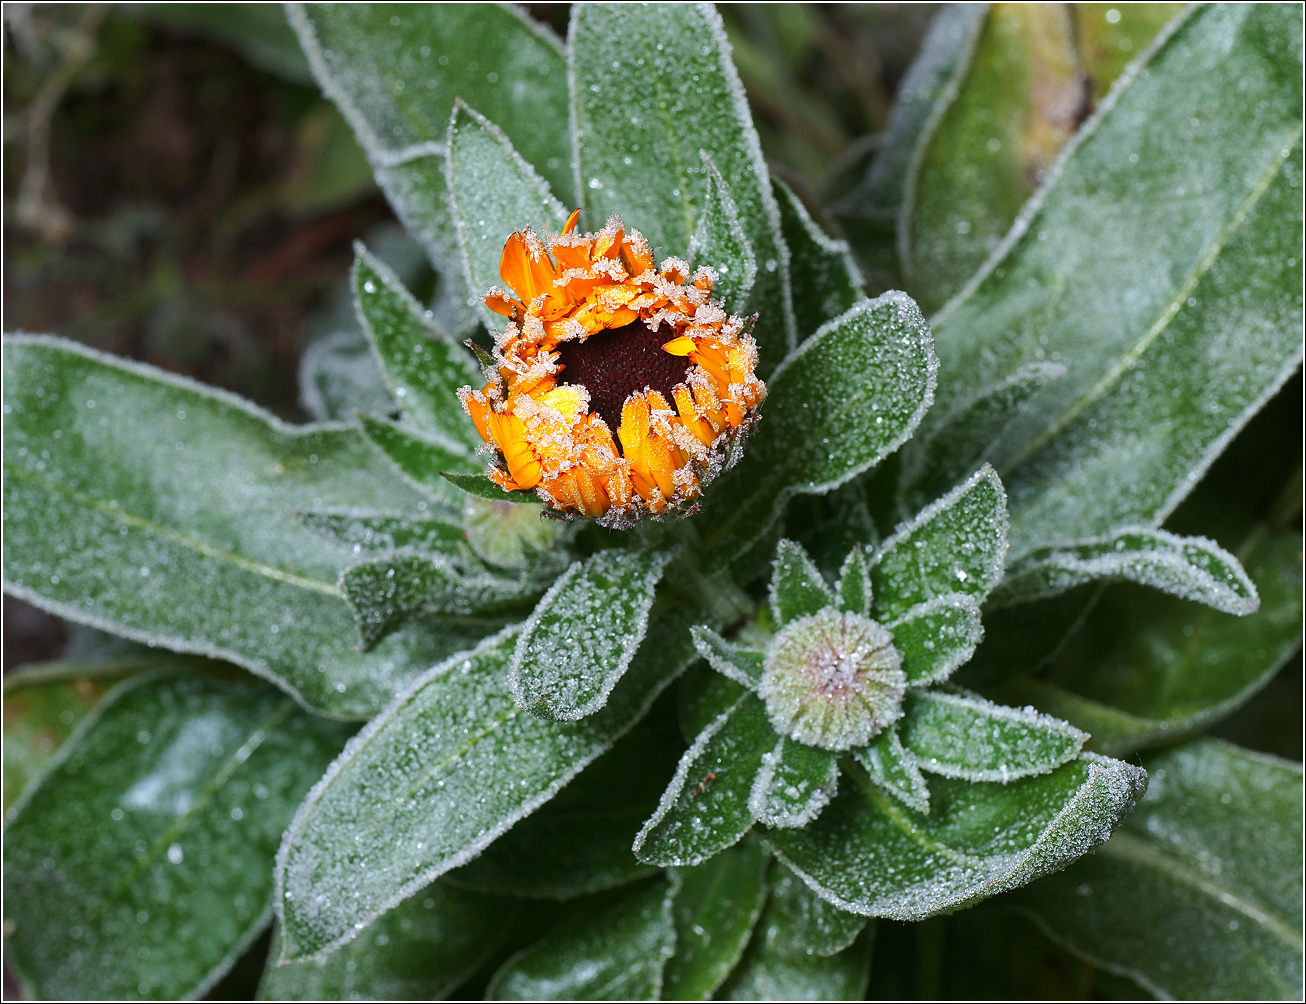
(378, 701)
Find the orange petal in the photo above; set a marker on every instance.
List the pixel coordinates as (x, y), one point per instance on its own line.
(505, 305)
(681, 346)
(571, 221)
(528, 274)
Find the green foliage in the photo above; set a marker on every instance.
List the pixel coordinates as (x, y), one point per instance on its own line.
(575, 779)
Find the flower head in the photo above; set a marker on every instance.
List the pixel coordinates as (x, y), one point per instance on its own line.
(619, 388)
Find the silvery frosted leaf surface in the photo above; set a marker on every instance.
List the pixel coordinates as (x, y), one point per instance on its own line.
(423, 949)
(1193, 163)
(937, 636)
(831, 525)
(956, 544)
(144, 504)
(1192, 568)
(812, 926)
(716, 907)
(822, 273)
(797, 588)
(854, 587)
(423, 369)
(617, 953)
(1211, 860)
(865, 854)
(493, 191)
(358, 532)
(793, 785)
(338, 375)
(482, 487)
(964, 736)
(438, 776)
(705, 807)
(741, 665)
(422, 461)
(721, 244)
(894, 769)
(651, 85)
(583, 633)
(141, 865)
(827, 418)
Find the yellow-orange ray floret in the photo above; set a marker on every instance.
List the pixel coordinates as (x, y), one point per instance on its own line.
(572, 287)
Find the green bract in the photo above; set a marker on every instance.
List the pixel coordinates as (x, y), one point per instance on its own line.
(884, 668)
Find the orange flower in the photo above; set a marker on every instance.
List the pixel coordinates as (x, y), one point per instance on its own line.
(618, 389)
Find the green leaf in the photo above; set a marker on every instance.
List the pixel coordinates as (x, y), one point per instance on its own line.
(854, 588)
(830, 525)
(367, 533)
(961, 735)
(826, 281)
(793, 785)
(617, 953)
(720, 243)
(738, 664)
(338, 375)
(1006, 118)
(141, 865)
(701, 697)
(1147, 669)
(386, 593)
(1199, 894)
(1192, 568)
(583, 634)
(865, 855)
(895, 770)
(793, 953)
(715, 910)
(493, 192)
(579, 842)
(423, 370)
(638, 146)
(827, 418)
(148, 506)
(956, 544)
(1155, 385)
(797, 588)
(1106, 44)
(436, 777)
(423, 949)
(420, 460)
(936, 637)
(705, 807)
(482, 487)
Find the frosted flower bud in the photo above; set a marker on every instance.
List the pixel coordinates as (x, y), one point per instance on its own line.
(833, 680)
(507, 534)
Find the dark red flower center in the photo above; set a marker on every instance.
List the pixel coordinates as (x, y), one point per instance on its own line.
(616, 363)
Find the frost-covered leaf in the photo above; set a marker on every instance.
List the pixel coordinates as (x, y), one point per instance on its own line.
(1006, 118)
(141, 865)
(584, 632)
(652, 85)
(396, 73)
(962, 441)
(338, 375)
(795, 783)
(617, 953)
(146, 505)
(482, 487)
(718, 903)
(369, 532)
(421, 950)
(961, 735)
(937, 636)
(865, 855)
(827, 417)
(493, 192)
(1108, 42)
(895, 770)
(831, 525)
(800, 950)
(1199, 894)
(1192, 568)
(702, 696)
(744, 666)
(826, 281)
(797, 588)
(1148, 669)
(1193, 165)
(720, 243)
(579, 842)
(705, 807)
(436, 777)
(421, 460)
(386, 593)
(854, 588)
(956, 544)
(423, 369)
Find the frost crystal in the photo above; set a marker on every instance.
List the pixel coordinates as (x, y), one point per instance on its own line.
(833, 680)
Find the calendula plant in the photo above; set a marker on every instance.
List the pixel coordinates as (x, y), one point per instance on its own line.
(704, 611)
